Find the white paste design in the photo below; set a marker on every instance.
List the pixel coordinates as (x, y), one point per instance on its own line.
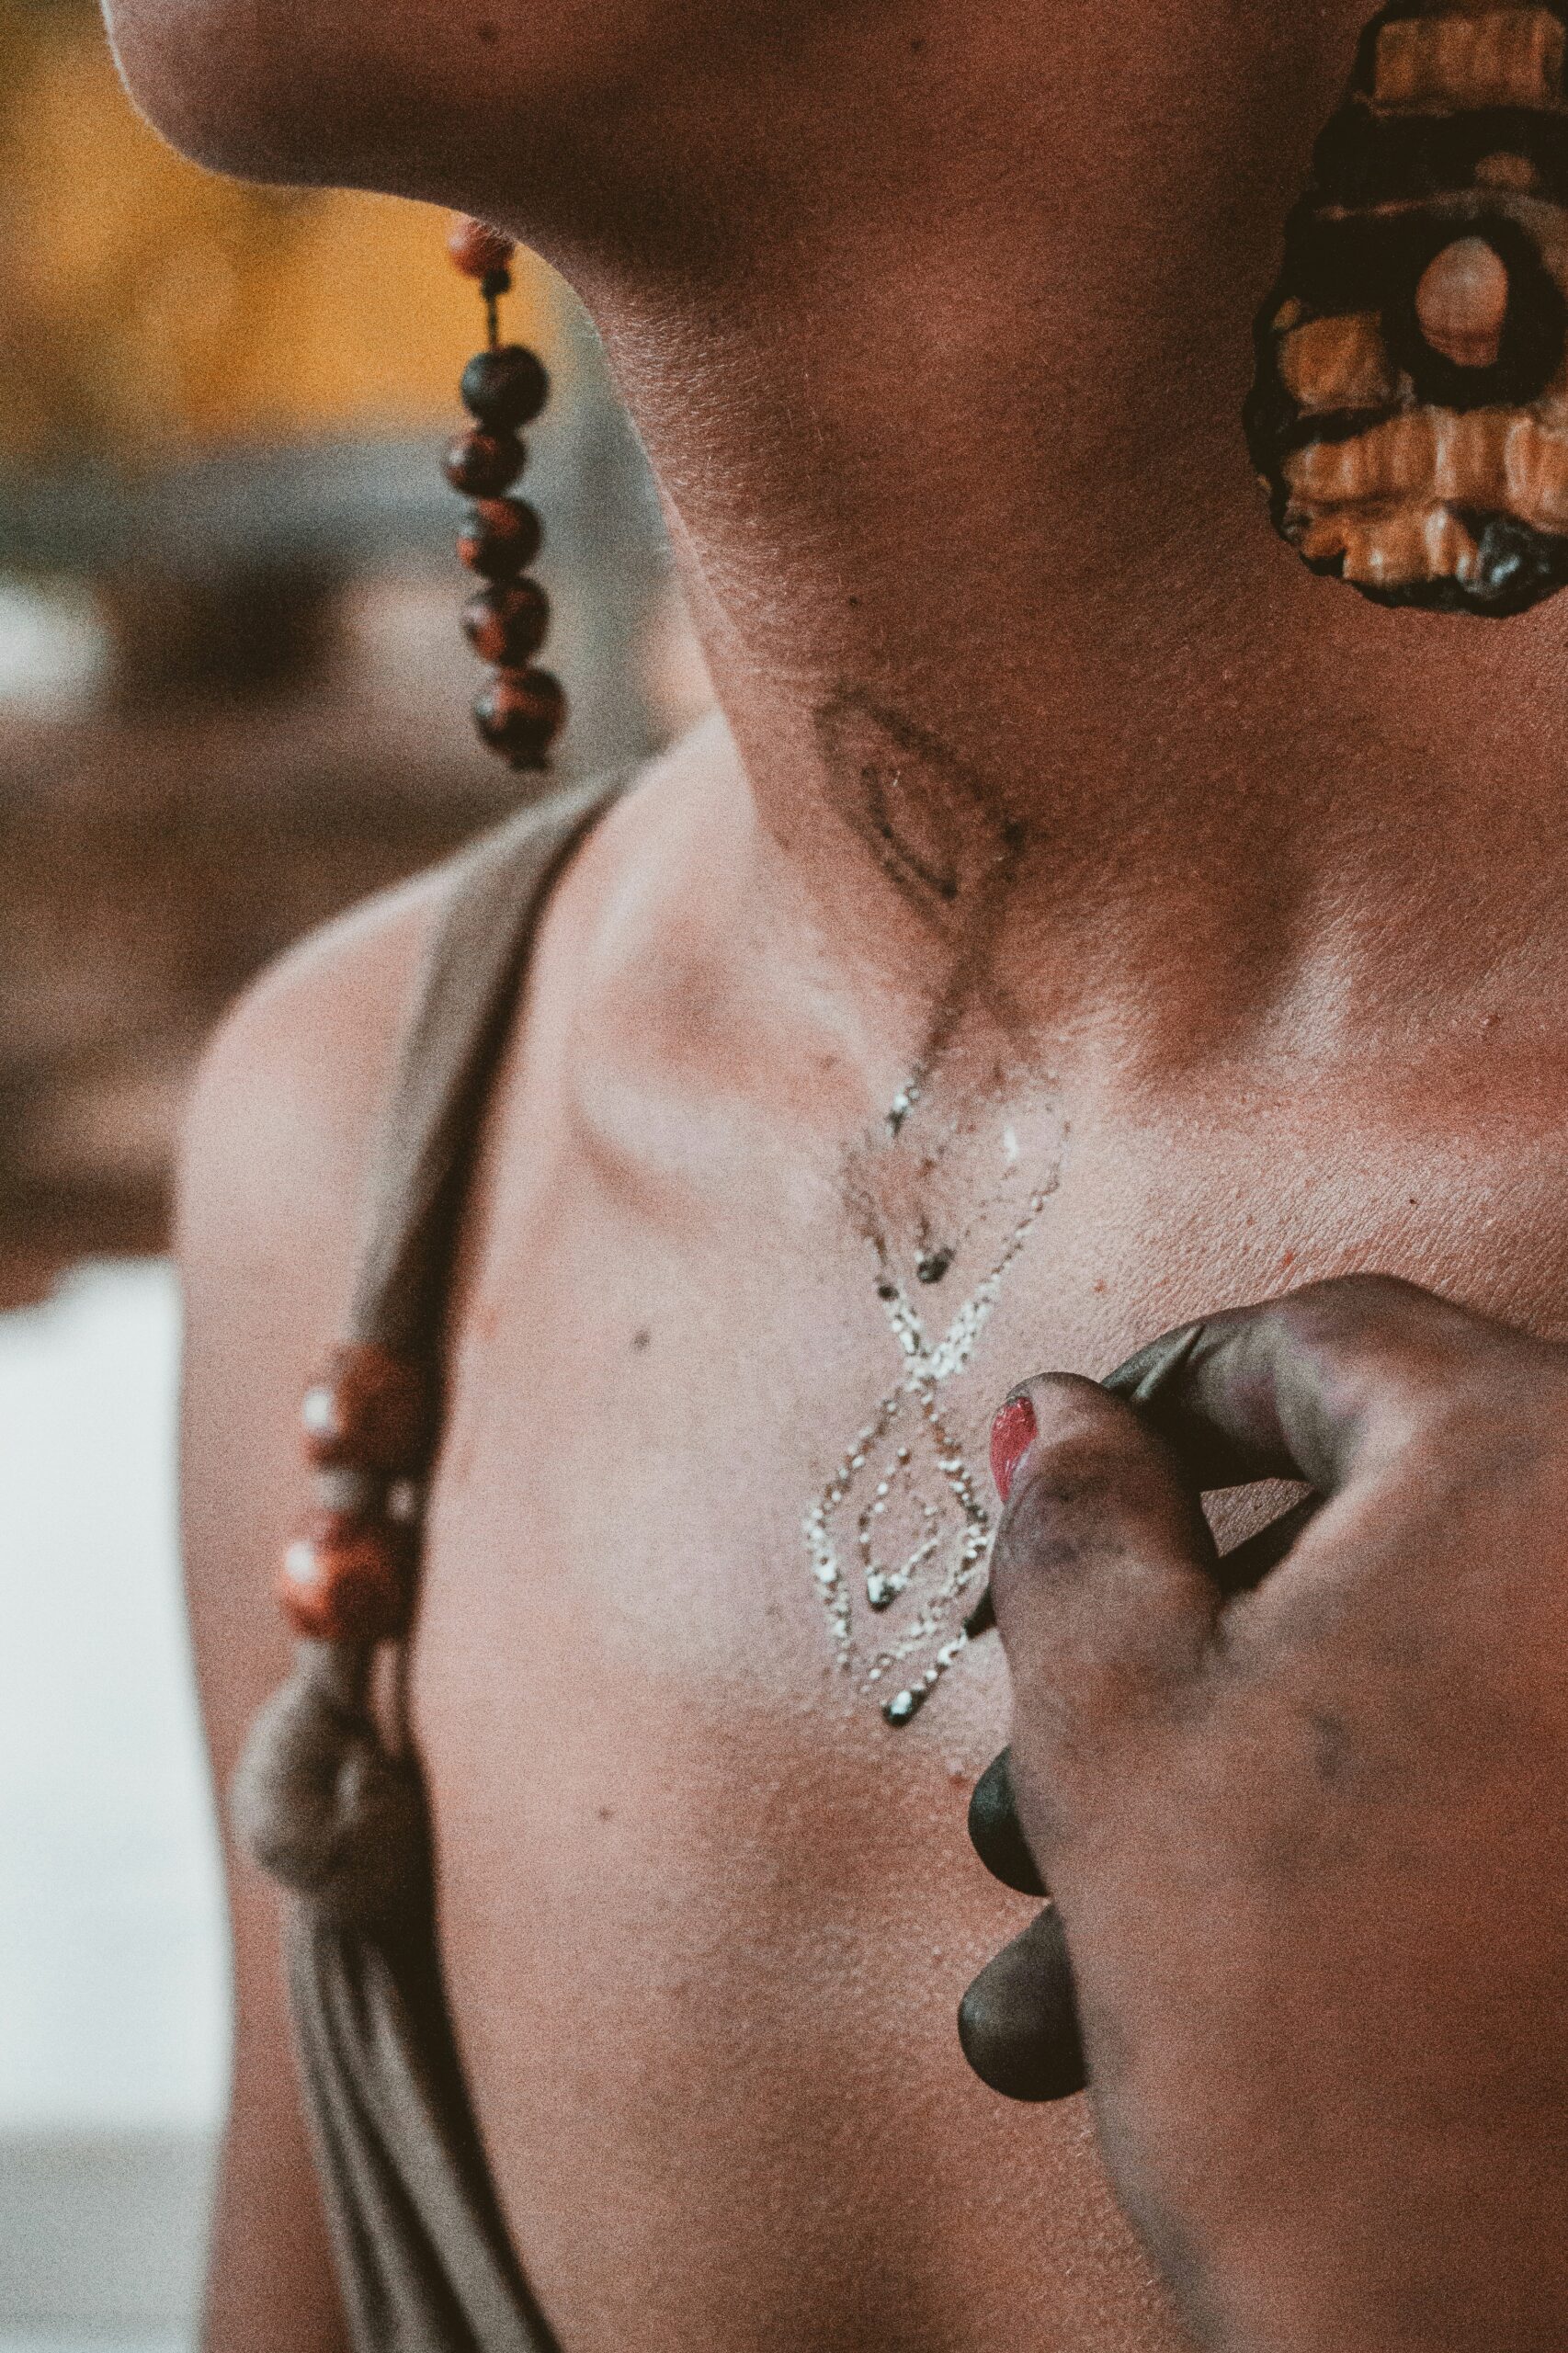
(904, 1466)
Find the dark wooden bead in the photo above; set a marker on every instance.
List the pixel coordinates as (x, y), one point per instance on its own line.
(503, 537)
(345, 1579)
(478, 250)
(370, 1411)
(519, 714)
(484, 464)
(505, 388)
(996, 1834)
(507, 624)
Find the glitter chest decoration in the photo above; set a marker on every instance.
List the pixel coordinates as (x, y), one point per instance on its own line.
(901, 1526)
(901, 1531)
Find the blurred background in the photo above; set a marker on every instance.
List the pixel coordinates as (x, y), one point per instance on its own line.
(233, 697)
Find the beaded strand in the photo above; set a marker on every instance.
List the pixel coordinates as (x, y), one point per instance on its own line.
(520, 711)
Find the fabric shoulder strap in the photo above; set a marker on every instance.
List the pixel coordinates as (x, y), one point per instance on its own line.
(321, 1801)
(476, 957)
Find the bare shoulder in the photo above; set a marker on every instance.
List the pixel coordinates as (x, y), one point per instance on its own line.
(282, 1121)
(276, 1135)
(279, 1131)
(280, 1126)
(286, 1093)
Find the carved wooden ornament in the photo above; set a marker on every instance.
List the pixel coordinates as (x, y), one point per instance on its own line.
(1409, 416)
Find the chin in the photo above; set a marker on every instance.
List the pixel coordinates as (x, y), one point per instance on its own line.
(240, 85)
(527, 111)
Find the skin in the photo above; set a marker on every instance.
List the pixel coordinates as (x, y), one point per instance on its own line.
(1306, 1839)
(1042, 775)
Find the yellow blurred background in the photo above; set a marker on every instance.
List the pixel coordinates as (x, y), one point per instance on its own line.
(148, 308)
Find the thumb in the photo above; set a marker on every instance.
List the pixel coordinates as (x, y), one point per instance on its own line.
(1103, 1575)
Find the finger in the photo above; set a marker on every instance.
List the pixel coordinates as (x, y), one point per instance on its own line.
(1299, 1387)
(1103, 1579)
(996, 1834)
(1018, 2022)
(1238, 1571)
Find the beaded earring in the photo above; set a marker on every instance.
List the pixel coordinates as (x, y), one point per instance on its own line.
(504, 387)
(368, 1422)
(1409, 416)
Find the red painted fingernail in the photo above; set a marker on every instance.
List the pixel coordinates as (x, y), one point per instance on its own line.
(1012, 1435)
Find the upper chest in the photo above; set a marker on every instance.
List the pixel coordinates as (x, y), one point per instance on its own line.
(706, 1917)
(728, 1441)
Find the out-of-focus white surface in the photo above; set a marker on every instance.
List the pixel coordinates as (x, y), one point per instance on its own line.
(53, 652)
(32, 2341)
(113, 2019)
(111, 1992)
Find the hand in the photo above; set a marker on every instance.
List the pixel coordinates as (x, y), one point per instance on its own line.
(1304, 1816)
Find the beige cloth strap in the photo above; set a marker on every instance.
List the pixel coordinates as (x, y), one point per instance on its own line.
(499, 888)
(423, 2254)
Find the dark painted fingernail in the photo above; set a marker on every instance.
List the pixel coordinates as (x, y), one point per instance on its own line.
(1012, 1435)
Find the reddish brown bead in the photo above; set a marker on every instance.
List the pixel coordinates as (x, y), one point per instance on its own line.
(478, 250)
(505, 388)
(507, 625)
(345, 1580)
(519, 714)
(484, 464)
(503, 537)
(368, 1412)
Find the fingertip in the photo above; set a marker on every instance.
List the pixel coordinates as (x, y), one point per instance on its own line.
(1046, 1408)
(1102, 1568)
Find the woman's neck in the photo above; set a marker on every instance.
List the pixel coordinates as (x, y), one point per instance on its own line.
(948, 425)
